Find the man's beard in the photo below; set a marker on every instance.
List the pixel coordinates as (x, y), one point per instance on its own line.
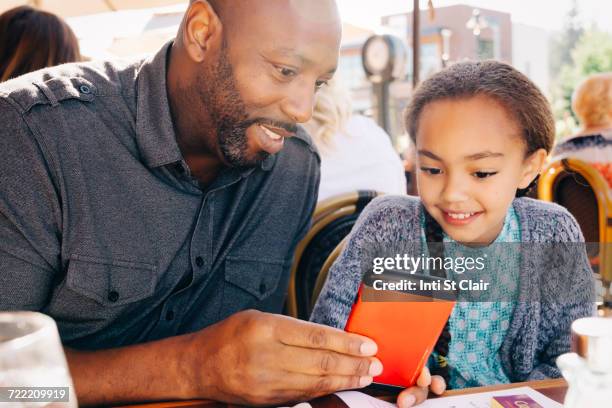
(228, 112)
(229, 115)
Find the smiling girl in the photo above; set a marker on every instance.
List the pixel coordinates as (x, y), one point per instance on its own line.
(482, 132)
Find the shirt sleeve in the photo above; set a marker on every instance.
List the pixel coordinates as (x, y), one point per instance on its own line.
(30, 216)
(336, 298)
(377, 231)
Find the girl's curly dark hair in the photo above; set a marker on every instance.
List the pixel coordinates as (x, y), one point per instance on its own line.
(497, 80)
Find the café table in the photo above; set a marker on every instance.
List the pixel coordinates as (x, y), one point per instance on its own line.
(554, 389)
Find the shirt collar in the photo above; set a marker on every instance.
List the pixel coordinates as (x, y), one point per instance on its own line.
(154, 129)
(266, 165)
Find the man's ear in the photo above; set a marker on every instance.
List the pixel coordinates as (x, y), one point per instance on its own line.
(201, 30)
(532, 166)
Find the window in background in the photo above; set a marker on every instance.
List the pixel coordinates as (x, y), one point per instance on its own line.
(351, 71)
(486, 49)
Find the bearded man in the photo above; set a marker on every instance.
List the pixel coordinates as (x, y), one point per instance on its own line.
(152, 209)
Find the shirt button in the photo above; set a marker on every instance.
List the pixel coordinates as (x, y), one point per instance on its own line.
(199, 261)
(262, 287)
(170, 315)
(85, 89)
(113, 296)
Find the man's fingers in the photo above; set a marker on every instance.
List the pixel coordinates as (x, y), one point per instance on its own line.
(412, 396)
(324, 385)
(311, 335)
(438, 385)
(323, 362)
(302, 387)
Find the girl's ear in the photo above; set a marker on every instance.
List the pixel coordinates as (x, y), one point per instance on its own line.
(532, 166)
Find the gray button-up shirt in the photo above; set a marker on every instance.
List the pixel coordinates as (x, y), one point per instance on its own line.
(102, 226)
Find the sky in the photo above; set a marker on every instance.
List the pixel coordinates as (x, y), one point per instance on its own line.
(98, 32)
(547, 14)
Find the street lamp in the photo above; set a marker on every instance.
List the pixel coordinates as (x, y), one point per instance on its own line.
(476, 23)
(446, 35)
(384, 61)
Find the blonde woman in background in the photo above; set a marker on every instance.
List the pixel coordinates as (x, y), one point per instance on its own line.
(592, 103)
(356, 154)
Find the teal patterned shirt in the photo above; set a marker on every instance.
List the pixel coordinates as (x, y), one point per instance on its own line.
(478, 328)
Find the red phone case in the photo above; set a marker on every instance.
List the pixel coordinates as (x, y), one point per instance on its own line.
(405, 331)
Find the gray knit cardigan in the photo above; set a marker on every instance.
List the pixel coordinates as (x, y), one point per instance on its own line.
(553, 293)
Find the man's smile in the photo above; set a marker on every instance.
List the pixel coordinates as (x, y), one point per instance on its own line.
(275, 132)
(269, 139)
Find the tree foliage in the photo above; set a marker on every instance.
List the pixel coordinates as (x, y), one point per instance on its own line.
(584, 51)
(563, 44)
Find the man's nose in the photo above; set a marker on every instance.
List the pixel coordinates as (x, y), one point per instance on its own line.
(298, 105)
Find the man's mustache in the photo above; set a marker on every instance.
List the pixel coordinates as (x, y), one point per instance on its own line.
(289, 127)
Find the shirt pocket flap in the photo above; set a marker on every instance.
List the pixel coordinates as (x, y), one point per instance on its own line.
(259, 278)
(111, 282)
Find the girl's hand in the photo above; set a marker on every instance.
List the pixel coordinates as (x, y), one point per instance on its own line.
(415, 395)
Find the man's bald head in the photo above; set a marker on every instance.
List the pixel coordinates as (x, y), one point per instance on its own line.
(315, 11)
(244, 64)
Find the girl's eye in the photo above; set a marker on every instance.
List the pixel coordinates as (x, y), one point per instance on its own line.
(484, 174)
(431, 170)
(286, 72)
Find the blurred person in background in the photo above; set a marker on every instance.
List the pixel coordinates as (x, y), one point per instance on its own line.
(592, 103)
(32, 39)
(356, 154)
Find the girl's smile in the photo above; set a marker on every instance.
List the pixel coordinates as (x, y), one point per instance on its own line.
(460, 218)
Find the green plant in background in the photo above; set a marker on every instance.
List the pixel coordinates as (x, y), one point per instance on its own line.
(576, 54)
(592, 54)
(565, 41)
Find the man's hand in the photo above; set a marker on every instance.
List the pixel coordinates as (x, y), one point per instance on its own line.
(257, 358)
(415, 395)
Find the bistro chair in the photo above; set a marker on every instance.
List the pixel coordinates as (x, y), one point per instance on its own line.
(322, 277)
(581, 189)
(332, 220)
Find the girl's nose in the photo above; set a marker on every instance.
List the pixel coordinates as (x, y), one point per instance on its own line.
(455, 189)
